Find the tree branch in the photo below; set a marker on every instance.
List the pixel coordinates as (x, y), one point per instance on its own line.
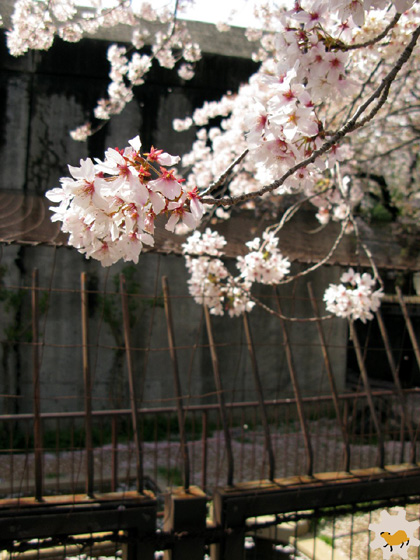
(380, 93)
(213, 186)
(345, 47)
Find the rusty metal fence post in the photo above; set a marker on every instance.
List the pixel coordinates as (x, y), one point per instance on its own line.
(260, 397)
(87, 388)
(36, 389)
(220, 397)
(400, 393)
(132, 386)
(177, 383)
(297, 393)
(371, 404)
(331, 379)
(409, 325)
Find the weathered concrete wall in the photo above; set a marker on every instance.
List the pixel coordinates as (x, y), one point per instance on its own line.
(42, 96)
(60, 327)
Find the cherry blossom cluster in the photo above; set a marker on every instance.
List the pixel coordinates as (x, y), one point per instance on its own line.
(335, 203)
(355, 297)
(298, 98)
(264, 263)
(283, 122)
(320, 61)
(212, 284)
(109, 207)
(128, 72)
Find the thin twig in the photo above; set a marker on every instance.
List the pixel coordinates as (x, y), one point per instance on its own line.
(291, 211)
(327, 257)
(368, 253)
(381, 92)
(213, 186)
(345, 47)
(291, 319)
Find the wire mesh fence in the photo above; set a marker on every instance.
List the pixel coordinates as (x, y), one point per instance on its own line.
(64, 453)
(107, 390)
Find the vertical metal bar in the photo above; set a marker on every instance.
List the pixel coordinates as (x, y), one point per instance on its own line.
(132, 387)
(297, 393)
(220, 397)
(331, 379)
(36, 388)
(260, 397)
(404, 416)
(409, 325)
(87, 387)
(177, 383)
(72, 470)
(204, 430)
(241, 454)
(366, 384)
(57, 454)
(114, 456)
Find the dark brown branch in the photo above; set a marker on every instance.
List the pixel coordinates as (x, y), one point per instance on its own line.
(380, 93)
(344, 47)
(390, 151)
(213, 186)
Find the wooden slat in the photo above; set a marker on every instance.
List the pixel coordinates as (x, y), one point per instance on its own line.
(71, 515)
(236, 504)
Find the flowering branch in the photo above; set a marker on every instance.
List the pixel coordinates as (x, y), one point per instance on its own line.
(221, 180)
(345, 47)
(325, 73)
(381, 92)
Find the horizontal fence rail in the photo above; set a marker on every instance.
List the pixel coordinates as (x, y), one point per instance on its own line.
(116, 401)
(65, 455)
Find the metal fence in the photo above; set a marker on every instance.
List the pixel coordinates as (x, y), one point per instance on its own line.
(67, 464)
(266, 477)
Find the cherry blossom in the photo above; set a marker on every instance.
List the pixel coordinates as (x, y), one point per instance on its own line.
(109, 207)
(264, 263)
(210, 283)
(336, 92)
(220, 291)
(355, 297)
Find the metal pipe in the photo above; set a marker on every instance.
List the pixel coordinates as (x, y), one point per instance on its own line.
(114, 455)
(177, 383)
(260, 396)
(404, 415)
(191, 408)
(37, 427)
(365, 379)
(298, 397)
(132, 387)
(331, 379)
(409, 325)
(220, 397)
(87, 388)
(204, 419)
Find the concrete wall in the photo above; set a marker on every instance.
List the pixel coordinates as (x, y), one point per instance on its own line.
(60, 330)
(42, 96)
